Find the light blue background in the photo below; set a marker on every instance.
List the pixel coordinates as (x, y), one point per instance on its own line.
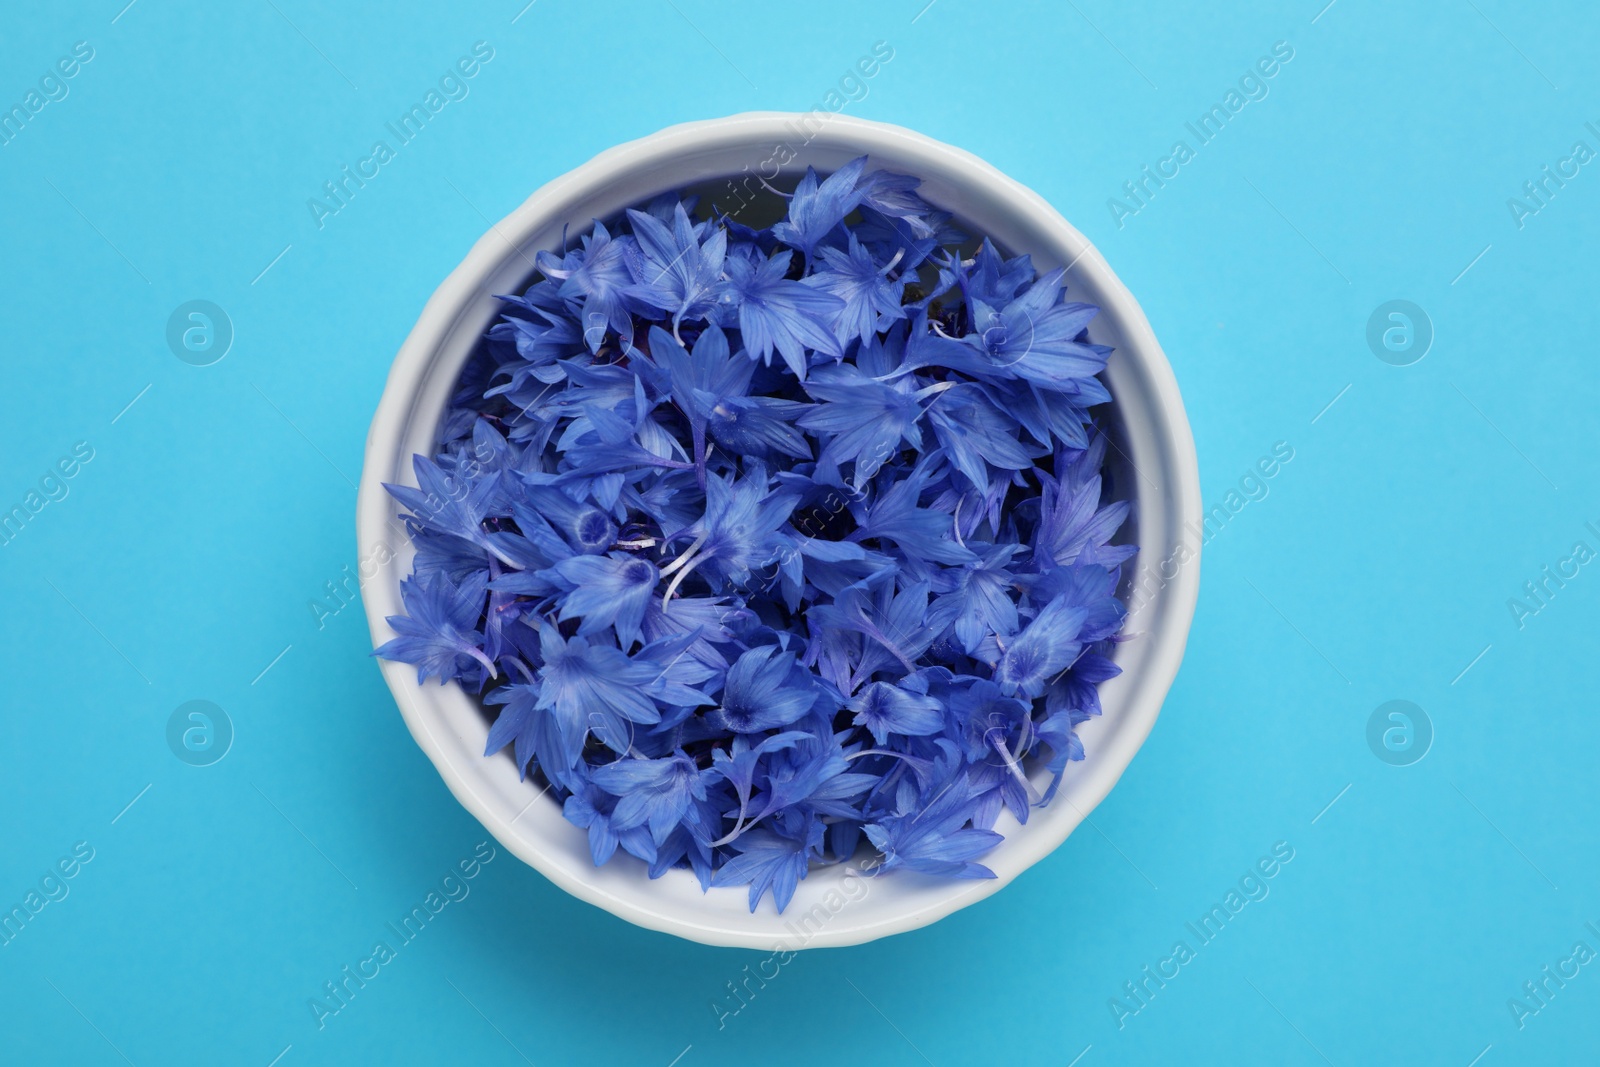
(1379, 566)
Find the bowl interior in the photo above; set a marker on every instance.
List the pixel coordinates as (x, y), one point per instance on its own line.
(1151, 463)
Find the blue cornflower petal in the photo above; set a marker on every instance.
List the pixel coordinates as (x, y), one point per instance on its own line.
(1035, 335)
(766, 862)
(765, 689)
(739, 530)
(1048, 646)
(594, 687)
(869, 297)
(776, 313)
(1072, 524)
(919, 532)
(439, 632)
(977, 434)
(932, 839)
(607, 591)
(817, 208)
(594, 282)
(672, 268)
(886, 709)
(978, 599)
(866, 419)
(651, 792)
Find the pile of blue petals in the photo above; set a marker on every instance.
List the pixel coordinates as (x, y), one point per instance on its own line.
(762, 540)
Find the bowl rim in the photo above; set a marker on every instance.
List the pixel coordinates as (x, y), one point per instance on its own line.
(453, 299)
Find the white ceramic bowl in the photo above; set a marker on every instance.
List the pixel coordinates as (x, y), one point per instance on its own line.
(834, 906)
